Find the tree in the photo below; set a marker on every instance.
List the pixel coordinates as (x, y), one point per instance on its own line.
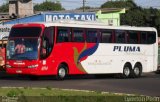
(119, 4)
(4, 8)
(48, 6)
(135, 15)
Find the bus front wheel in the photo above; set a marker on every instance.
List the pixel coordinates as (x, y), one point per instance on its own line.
(62, 72)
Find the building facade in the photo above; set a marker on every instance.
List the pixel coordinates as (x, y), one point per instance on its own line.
(53, 16)
(110, 16)
(20, 8)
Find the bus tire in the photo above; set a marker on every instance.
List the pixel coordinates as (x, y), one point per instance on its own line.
(137, 71)
(127, 71)
(61, 72)
(157, 72)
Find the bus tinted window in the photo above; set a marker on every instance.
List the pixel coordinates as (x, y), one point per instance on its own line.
(133, 37)
(63, 34)
(148, 37)
(48, 36)
(106, 36)
(151, 37)
(25, 32)
(78, 35)
(143, 38)
(91, 36)
(120, 36)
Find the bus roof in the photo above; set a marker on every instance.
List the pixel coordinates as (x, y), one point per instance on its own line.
(90, 24)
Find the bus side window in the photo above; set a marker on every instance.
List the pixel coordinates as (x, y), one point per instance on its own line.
(91, 36)
(151, 37)
(106, 36)
(133, 37)
(63, 35)
(47, 42)
(78, 35)
(143, 38)
(120, 36)
(148, 37)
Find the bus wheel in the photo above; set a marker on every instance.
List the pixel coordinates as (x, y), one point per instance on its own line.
(137, 71)
(157, 72)
(126, 71)
(62, 72)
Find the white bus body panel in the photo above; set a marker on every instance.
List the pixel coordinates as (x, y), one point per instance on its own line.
(111, 58)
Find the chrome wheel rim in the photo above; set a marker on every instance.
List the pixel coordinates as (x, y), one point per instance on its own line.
(62, 72)
(136, 71)
(126, 71)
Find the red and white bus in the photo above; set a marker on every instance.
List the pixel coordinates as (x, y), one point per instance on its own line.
(77, 47)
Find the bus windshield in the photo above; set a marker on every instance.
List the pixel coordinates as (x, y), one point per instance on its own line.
(25, 32)
(22, 49)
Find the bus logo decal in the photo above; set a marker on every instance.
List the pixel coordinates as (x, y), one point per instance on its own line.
(127, 48)
(84, 53)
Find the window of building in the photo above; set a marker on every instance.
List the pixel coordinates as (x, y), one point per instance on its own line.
(110, 22)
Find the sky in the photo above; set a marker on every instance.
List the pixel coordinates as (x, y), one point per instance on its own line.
(73, 4)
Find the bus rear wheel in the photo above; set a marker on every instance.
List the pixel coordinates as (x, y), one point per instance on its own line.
(137, 71)
(126, 71)
(62, 72)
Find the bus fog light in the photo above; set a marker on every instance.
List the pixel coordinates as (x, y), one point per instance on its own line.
(33, 66)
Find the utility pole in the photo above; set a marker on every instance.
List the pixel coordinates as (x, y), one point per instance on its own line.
(84, 5)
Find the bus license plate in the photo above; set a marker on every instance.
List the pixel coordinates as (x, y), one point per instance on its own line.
(18, 71)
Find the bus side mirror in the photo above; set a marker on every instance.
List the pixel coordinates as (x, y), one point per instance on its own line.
(44, 49)
(44, 44)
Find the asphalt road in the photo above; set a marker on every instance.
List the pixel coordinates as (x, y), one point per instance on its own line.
(148, 84)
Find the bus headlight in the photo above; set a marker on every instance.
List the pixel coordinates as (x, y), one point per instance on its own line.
(8, 66)
(33, 66)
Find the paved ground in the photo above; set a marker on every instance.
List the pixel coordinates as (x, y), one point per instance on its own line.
(148, 84)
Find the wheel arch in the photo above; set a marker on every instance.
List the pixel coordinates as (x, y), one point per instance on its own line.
(128, 64)
(65, 64)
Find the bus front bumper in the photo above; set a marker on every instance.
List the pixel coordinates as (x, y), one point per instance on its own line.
(23, 71)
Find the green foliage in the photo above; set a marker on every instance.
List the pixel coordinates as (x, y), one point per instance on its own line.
(142, 17)
(49, 88)
(48, 6)
(136, 16)
(12, 93)
(133, 17)
(119, 4)
(4, 8)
